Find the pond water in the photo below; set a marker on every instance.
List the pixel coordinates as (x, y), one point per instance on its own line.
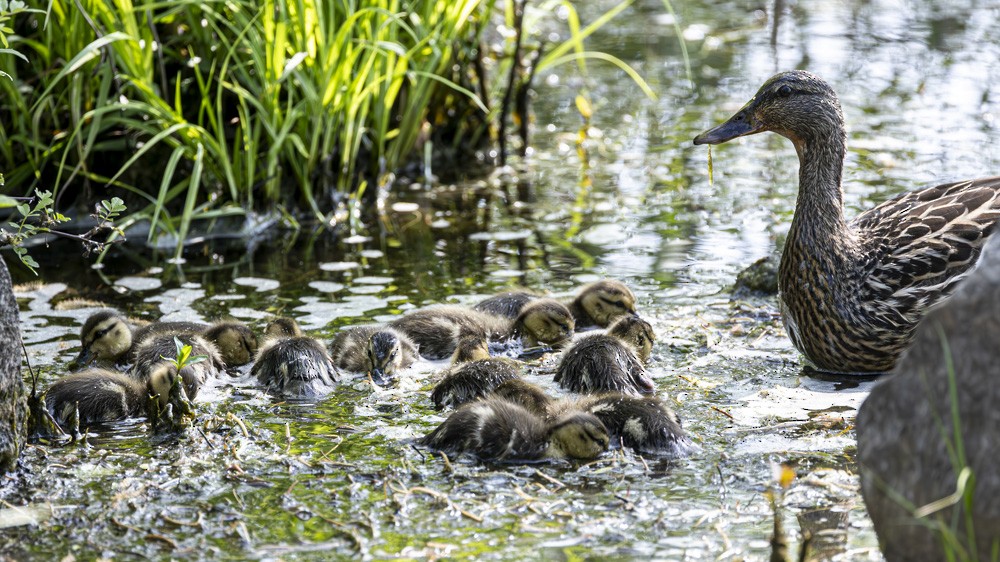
(260, 478)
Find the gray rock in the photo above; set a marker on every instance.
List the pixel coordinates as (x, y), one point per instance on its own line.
(13, 408)
(905, 429)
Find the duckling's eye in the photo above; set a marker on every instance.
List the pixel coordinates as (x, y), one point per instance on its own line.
(785, 91)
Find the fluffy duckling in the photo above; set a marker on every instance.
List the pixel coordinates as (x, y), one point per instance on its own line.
(473, 374)
(292, 364)
(608, 362)
(437, 329)
(105, 338)
(645, 424)
(497, 430)
(508, 304)
(636, 333)
(382, 352)
(236, 343)
(101, 396)
(601, 302)
(156, 350)
(526, 394)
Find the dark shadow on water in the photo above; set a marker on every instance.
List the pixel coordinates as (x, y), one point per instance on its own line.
(841, 381)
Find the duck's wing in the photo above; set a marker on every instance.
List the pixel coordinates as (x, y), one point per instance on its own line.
(921, 243)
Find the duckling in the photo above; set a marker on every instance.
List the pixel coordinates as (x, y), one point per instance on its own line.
(236, 343)
(105, 338)
(473, 374)
(529, 395)
(636, 333)
(382, 352)
(108, 338)
(293, 364)
(161, 348)
(100, 396)
(437, 329)
(497, 430)
(507, 304)
(608, 362)
(645, 424)
(601, 302)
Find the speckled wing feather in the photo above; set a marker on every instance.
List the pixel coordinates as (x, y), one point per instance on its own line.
(921, 244)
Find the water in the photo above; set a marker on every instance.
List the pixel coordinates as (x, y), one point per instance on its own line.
(264, 479)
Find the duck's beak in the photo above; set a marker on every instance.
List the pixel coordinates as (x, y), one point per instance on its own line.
(82, 359)
(382, 378)
(739, 125)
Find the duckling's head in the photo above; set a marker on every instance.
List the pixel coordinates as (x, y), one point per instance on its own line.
(606, 300)
(545, 321)
(471, 347)
(578, 435)
(282, 327)
(162, 380)
(385, 356)
(236, 342)
(796, 104)
(636, 333)
(105, 337)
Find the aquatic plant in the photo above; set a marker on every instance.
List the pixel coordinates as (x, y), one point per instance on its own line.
(198, 111)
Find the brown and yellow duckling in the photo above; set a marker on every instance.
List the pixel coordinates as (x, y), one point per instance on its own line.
(644, 424)
(473, 374)
(602, 302)
(436, 330)
(852, 292)
(155, 350)
(101, 395)
(380, 351)
(498, 430)
(235, 341)
(107, 338)
(609, 362)
(507, 304)
(290, 363)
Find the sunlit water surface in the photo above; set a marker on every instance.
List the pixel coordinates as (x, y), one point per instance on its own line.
(259, 478)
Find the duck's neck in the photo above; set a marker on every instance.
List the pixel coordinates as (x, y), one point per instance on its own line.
(819, 210)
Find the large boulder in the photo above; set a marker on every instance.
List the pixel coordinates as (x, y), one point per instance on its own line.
(910, 449)
(13, 408)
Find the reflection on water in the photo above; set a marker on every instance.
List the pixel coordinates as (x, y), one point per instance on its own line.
(268, 479)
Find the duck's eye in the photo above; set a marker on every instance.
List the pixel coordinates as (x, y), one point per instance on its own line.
(739, 116)
(785, 91)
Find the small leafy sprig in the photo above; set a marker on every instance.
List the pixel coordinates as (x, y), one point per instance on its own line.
(39, 217)
(184, 357)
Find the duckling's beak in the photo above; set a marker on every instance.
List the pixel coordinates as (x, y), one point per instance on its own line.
(82, 359)
(739, 125)
(382, 378)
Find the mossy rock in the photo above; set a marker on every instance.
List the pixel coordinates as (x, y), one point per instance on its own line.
(759, 279)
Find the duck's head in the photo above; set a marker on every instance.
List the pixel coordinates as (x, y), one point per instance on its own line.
(282, 327)
(606, 300)
(385, 356)
(105, 337)
(163, 377)
(545, 321)
(236, 342)
(636, 333)
(578, 435)
(795, 104)
(471, 347)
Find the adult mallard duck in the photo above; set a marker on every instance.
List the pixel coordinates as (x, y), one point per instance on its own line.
(379, 351)
(853, 291)
(497, 430)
